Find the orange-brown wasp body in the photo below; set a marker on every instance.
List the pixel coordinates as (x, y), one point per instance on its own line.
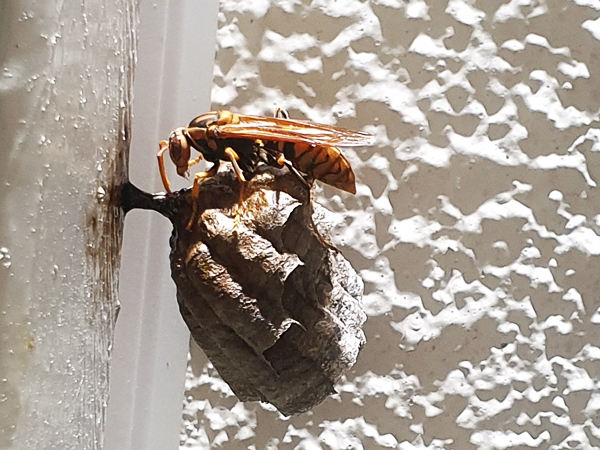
(247, 141)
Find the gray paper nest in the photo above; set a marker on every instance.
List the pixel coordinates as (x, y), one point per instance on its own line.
(276, 310)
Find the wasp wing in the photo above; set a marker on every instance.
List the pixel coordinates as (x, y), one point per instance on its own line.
(275, 129)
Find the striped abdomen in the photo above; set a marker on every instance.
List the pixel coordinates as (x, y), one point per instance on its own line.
(322, 162)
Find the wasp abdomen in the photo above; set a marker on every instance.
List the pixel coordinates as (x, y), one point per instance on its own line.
(322, 162)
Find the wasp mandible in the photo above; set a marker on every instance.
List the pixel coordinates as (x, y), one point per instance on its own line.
(247, 141)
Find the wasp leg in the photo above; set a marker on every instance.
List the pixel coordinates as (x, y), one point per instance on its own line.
(163, 146)
(281, 161)
(308, 183)
(281, 113)
(196, 190)
(201, 176)
(193, 162)
(232, 156)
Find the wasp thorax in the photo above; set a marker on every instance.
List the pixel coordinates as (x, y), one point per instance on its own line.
(196, 135)
(204, 120)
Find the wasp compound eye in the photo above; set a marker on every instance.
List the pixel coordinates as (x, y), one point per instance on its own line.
(174, 148)
(179, 151)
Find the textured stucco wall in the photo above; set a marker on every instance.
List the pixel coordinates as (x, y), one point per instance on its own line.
(475, 226)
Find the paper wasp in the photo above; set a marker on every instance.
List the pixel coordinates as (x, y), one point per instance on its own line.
(247, 141)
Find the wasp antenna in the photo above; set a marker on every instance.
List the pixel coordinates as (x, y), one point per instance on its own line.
(162, 148)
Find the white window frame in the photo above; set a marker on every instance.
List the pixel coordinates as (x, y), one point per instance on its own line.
(172, 84)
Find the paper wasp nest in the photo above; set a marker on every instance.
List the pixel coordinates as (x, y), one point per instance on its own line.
(277, 312)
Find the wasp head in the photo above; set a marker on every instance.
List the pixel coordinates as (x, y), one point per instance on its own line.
(179, 151)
